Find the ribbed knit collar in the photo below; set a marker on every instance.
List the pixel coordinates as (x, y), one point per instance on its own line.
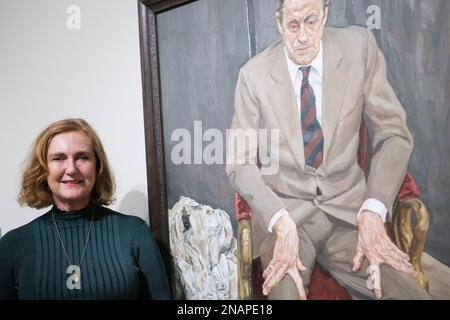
(85, 213)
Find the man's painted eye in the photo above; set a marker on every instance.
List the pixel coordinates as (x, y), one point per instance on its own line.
(312, 22)
(293, 27)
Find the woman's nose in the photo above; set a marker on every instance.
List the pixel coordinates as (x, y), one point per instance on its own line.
(71, 166)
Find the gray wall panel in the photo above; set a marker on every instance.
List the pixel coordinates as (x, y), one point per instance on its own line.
(416, 41)
(201, 48)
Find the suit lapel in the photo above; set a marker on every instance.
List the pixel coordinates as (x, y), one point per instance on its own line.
(335, 78)
(282, 99)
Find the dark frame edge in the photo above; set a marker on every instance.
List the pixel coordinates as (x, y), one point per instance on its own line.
(158, 6)
(153, 124)
(152, 121)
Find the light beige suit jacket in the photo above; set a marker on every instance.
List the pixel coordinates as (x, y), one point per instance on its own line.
(354, 84)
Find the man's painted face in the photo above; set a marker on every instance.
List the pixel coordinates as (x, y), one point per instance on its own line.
(301, 24)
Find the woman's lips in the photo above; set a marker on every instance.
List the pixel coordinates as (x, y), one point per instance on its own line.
(71, 182)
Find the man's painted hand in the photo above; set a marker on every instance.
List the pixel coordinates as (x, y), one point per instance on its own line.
(375, 244)
(285, 257)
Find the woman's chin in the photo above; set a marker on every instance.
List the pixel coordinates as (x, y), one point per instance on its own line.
(73, 198)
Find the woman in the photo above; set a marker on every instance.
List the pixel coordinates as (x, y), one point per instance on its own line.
(79, 249)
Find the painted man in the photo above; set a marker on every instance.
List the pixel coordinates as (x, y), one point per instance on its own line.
(314, 86)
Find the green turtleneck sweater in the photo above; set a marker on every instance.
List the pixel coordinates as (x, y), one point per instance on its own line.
(122, 261)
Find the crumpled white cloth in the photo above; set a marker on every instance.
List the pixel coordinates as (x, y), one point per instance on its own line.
(203, 249)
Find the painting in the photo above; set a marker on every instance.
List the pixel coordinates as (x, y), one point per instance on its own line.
(192, 51)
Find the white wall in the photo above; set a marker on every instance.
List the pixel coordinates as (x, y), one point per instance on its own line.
(48, 72)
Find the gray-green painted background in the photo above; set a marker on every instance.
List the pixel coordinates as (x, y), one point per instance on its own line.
(202, 45)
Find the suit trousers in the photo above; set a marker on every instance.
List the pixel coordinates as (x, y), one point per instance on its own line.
(333, 246)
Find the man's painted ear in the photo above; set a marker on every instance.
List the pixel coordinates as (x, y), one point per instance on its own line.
(325, 16)
(279, 24)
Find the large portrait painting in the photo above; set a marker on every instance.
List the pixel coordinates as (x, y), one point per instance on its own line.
(191, 54)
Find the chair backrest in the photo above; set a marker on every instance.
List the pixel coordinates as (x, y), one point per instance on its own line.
(364, 150)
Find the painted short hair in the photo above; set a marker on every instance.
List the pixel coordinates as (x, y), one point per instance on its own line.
(326, 3)
(35, 191)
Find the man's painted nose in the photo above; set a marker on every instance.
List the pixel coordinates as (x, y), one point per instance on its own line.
(302, 35)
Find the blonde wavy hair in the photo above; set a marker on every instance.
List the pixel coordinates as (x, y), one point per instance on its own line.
(35, 191)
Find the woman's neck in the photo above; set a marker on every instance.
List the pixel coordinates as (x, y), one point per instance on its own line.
(66, 206)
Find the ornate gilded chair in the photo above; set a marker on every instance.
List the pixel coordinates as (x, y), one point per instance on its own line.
(408, 236)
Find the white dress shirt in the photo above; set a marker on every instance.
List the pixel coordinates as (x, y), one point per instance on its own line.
(316, 82)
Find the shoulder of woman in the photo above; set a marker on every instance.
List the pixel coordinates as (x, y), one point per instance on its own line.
(20, 233)
(13, 237)
(124, 218)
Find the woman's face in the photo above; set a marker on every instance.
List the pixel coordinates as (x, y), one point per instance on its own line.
(71, 170)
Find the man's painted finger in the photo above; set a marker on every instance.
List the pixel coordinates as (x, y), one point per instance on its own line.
(274, 265)
(300, 266)
(402, 265)
(404, 255)
(274, 278)
(268, 270)
(398, 252)
(299, 283)
(407, 268)
(357, 261)
(267, 283)
(266, 288)
(378, 293)
(272, 281)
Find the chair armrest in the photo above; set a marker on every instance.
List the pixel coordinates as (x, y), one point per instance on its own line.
(245, 254)
(244, 260)
(408, 240)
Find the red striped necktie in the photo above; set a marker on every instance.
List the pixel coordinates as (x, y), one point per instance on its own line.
(312, 131)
